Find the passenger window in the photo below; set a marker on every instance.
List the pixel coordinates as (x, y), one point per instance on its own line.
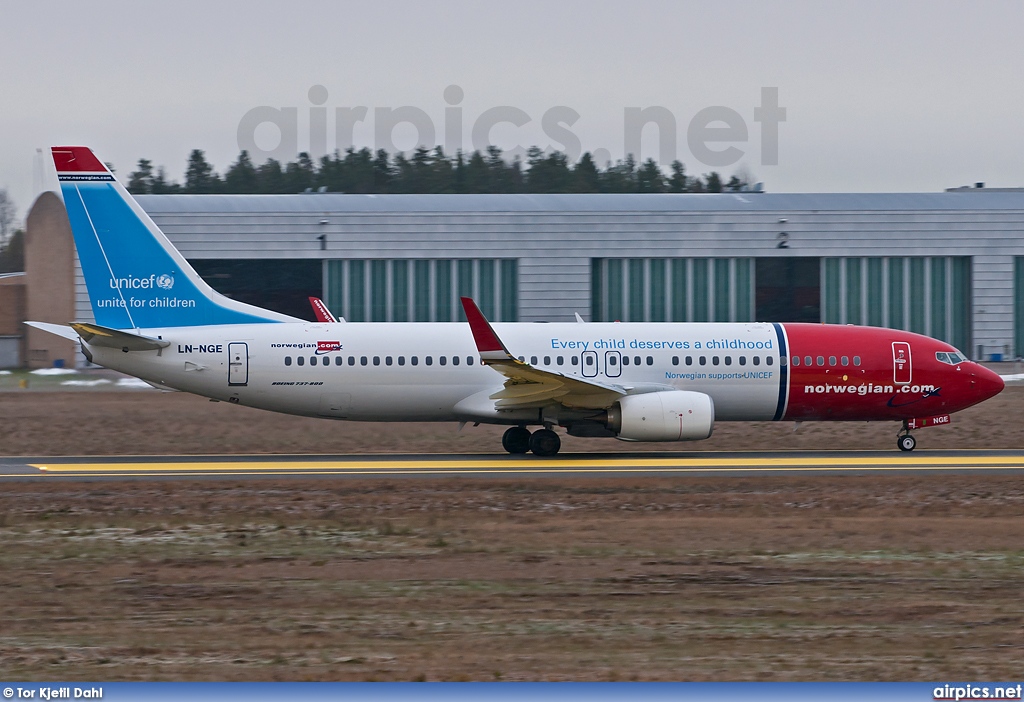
(590, 360)
(469, 360)
(756, 360)
(612, 361)
(821, 360)
(559, 360)
(650, 360)
(533, 360)
(326, 361)
(675, 360)
(300, 360)
(387, 360)
(442, 360)
(714, 360)
(743, 360)
(547, 360)
(703, 360)
(728, 360)
(832, 360)
(625, 360)
(362, 360)
(768, 360)
(796, 360)
(351, 360)
(287, 360)
(338, 360)
(856, 360)
(401, 360)
(689, 360)
(808, 361)
(574, 360)
(312, 360)
(523, 359)
(429, 360)
(845, 360)
(455, 360)
(415, 361)
(636, 360)
(376, 360)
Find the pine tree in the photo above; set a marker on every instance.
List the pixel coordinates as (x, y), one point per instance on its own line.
(677, 181)
(586, 176)
(382, 172)
(649, 178)
(241, 176)
(200, 177)
(140, 181)
(270, 178)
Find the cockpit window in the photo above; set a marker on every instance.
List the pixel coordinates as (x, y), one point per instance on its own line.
(950, 357)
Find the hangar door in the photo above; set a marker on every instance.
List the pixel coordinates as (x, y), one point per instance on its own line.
(924, 294)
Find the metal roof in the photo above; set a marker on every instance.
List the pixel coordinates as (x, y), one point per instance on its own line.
(972, 200)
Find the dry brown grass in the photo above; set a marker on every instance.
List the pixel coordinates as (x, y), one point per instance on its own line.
(875, 578)
(111, 423)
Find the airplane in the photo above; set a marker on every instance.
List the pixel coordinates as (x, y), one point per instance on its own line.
(156, 319)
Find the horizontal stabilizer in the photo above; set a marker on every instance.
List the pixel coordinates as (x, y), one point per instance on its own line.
(62, 330)
(95, 335)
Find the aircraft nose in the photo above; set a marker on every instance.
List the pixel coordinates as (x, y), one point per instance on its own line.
(986, 383)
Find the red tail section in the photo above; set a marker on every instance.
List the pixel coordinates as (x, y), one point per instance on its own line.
(320, 309)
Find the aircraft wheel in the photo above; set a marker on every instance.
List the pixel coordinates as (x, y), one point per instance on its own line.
(906, 442)
(545, 442)
(516, 440)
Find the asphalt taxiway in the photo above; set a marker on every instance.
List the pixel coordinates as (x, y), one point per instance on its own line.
(494, 466)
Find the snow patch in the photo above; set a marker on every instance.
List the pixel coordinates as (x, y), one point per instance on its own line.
(54, 371)
(133, 383)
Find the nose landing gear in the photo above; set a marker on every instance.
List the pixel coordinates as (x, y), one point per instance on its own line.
(904, 440)
(519, 440)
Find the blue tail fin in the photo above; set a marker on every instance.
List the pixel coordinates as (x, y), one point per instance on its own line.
(135, 276)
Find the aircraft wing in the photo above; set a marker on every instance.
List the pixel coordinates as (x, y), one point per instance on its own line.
(528, 386)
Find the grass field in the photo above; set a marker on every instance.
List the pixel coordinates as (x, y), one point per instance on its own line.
(874, 577)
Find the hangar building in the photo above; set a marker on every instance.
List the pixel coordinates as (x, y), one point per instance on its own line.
(950, 265)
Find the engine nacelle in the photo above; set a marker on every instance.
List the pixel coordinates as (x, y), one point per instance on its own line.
(673, 415)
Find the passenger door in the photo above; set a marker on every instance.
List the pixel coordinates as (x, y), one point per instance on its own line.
(238, 363)
(902, 372)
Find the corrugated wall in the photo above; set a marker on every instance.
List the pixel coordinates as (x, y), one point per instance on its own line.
(555, 248)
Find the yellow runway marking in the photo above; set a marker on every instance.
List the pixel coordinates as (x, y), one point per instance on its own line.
(540, 466)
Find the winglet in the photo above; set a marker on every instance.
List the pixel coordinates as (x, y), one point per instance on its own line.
(320, 309)
(487, 342)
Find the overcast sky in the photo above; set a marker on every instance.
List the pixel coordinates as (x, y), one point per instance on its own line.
(879, 96)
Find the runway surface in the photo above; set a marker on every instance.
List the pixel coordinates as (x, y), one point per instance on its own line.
(493, 466)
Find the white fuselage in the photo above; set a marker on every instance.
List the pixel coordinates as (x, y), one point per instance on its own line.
(432, 371)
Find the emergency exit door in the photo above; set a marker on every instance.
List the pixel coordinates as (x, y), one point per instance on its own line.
(238, 363)
(901, 367)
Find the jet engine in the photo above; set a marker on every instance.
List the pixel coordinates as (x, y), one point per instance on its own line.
(675, 415)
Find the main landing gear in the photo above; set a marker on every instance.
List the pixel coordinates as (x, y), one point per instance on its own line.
(904, 440)
(519, 440)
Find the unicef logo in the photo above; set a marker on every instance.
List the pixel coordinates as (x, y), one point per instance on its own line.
(165, 281)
